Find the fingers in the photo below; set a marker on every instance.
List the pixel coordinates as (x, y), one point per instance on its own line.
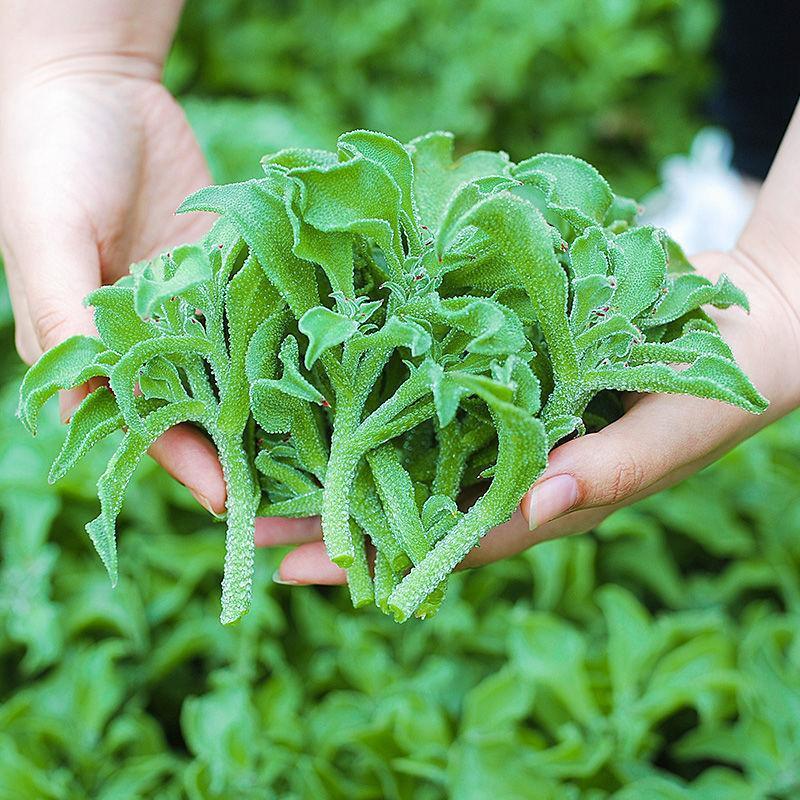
(276, 531)
(191, 458)
(659, 441)
(50, 279)
(309, 563)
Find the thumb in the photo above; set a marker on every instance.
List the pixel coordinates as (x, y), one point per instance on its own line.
(658, 442)
(50, 281)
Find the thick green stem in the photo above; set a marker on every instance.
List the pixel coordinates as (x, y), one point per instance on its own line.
(340, 475)
(358, 578)
(397, 497)
(416, 387)
(242, 502)
(368, 513)
(516, 470)
(566, 401)
(424, 578)
(410, 418)
(450, 462)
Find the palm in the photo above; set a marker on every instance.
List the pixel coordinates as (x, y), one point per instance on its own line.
(118, 163)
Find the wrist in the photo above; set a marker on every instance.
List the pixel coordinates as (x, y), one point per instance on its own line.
(123, 37)
(773, 291)
(764, 250)
(770, 239)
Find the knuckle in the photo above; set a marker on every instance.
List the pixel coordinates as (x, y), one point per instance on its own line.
(626, 478)
(51, 325)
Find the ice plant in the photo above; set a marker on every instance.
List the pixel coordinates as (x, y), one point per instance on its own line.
(367, 333)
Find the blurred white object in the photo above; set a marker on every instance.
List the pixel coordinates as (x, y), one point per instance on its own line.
(703, 202)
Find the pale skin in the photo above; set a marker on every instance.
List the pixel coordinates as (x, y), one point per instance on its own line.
(95, 155)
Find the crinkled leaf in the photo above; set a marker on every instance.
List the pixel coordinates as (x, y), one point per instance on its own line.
(257, 208)
(112, 484)
(437, 176)
(292, 381)
(710, 376)
(155, 281)
(588, 253)
(524, 239)
(95, 418)
(249, 299)
(573, 188)
(689, 291)
(640, 266)
(65, 366)
(325, 329)
(394, 158)
(396, 333)
(352, 197)
(123, 376)
(116, 319)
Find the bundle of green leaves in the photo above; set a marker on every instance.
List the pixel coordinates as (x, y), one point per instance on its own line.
(372, 334)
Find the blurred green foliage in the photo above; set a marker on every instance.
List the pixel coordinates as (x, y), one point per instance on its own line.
(617, 82)
(657, 658)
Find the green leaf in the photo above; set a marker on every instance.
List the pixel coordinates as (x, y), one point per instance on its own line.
(95, 418)
(325, 329)
(257, 209)
(118, 324)
(261, 360)
(351, 197)
(573, 188)
(685, 349)
(689, 291)
(395, 333)
(524, 239)
(496, 329)
(65, 366)
(304, 505)
(123, 376)
(160, 379)
(394, 158)
(640, 267)
(368, 513)
(437, 177)
(166, 276)
(113, 482)
(292, 381)
(611, 326)
(710, 376)
(589, 253)
(521, 457)
(589, 295)
(249, 299)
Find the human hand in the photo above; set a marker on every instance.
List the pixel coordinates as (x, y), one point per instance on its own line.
(660, 440)
(95, 155)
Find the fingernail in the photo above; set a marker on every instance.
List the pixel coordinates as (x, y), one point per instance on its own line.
(276, 578)
(550, 499)
(203, 500)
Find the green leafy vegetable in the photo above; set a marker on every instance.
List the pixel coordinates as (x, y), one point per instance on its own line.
(360, 326)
